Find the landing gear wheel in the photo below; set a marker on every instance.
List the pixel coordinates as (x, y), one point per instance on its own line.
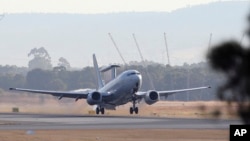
(131, 110)
(136, 110)
(102, 110)
(97, 110)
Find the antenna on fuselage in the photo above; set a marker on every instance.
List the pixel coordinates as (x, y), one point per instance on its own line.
(143, 61)
(168, 66)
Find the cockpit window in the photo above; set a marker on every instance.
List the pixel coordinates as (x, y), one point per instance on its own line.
(133, 73)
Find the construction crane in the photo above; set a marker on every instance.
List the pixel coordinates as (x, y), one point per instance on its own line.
(139, 50)
(210, 40)
(143, 61)
(165, 39)
(115, 45)
(242, 38)
(168, 65)
(209, 47)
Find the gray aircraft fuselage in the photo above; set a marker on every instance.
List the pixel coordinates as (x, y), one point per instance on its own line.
(121, 89)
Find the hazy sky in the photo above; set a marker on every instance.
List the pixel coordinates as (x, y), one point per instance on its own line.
(19, 33)
(93, 6)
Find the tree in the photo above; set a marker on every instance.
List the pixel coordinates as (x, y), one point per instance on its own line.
(41, 59)
(57, 84)
(232, 59)
(39, 79)
(12, 80)
(64, 63)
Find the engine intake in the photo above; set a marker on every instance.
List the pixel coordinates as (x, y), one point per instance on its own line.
(151, 97)
(94, 98)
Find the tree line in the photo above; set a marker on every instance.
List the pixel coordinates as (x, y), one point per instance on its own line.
(164, 77)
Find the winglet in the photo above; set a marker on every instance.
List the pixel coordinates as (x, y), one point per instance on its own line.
(99, 78)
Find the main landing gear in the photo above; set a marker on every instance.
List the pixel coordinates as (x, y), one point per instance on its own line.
(99, 109)
(134, 109)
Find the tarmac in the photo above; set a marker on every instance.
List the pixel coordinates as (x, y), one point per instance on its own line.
(21, 121)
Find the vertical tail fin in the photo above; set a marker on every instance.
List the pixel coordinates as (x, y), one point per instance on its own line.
(98, 74)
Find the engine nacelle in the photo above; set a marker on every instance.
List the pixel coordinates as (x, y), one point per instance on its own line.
(94, 98)
(151, 97)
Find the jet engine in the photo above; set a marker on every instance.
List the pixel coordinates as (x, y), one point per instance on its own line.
(94, 98)
(151, 97)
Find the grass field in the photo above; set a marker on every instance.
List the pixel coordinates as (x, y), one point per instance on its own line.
(50, 105)
(197, 109)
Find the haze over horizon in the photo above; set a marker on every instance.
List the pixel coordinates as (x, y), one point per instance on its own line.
(77, 36)
(95, 6)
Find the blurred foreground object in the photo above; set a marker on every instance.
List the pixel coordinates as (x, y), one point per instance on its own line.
(233, 60)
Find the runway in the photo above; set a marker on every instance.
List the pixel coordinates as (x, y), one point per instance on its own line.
(19, 121)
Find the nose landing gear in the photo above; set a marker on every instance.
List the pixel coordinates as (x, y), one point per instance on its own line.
(134, 109)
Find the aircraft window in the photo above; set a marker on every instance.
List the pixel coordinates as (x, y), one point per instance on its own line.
(132, 73)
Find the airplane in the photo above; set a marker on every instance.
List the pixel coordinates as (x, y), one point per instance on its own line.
(121, 90)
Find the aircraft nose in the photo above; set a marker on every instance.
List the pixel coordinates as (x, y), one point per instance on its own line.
(139, 79)
(137, 84)
(139, 76)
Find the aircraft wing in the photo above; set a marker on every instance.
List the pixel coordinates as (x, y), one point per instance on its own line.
(78, 94)
(170, 92)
